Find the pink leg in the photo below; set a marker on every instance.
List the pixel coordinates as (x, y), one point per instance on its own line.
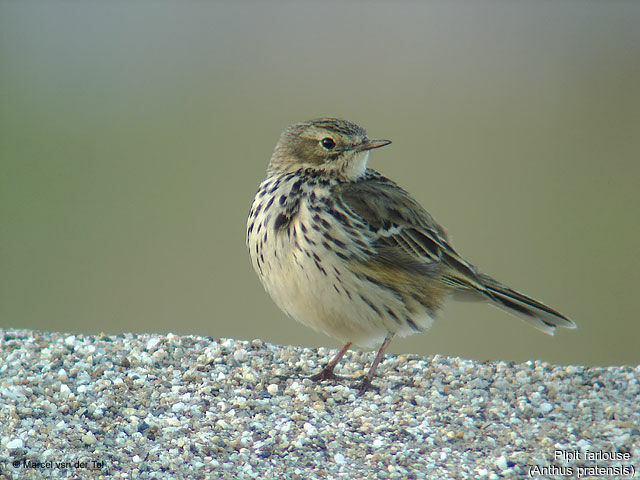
(327, 371)
(366, 381)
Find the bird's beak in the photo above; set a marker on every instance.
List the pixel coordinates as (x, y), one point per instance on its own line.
(369, 144)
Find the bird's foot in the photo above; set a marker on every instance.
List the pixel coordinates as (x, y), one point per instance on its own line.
(366, 386)
(326, 374)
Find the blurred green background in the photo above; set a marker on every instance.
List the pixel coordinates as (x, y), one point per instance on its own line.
(133, 136)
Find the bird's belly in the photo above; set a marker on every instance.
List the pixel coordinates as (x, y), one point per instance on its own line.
(312, 284)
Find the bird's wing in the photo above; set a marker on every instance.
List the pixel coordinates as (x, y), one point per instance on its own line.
(404, 235)
(412, 253)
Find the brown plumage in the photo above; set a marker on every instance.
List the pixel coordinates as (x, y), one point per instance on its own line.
(348, 252)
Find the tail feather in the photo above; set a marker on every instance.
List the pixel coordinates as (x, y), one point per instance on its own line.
(535, 313)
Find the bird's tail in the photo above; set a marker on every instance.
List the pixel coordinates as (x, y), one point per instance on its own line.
(531, 311)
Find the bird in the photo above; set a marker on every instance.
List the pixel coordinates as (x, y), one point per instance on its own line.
(346, 251)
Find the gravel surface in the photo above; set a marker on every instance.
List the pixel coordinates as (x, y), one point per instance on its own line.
(171, 407)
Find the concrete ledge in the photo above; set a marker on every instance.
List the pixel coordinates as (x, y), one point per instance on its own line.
(170, 407)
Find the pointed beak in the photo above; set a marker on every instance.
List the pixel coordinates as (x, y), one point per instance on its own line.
(369, 144)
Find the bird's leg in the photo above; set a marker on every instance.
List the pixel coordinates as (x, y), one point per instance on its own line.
(366, 381)
(327, 371)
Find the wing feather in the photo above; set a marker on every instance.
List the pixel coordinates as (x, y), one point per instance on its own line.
(413, 256)
(403, 227)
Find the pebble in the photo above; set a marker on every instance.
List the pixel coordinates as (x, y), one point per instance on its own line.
(182, 407)
(14, 444)
(272, 389)
(546, 407)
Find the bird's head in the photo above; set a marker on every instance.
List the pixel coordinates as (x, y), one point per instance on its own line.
(331, 145)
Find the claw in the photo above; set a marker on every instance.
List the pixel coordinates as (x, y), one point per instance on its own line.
(325, 374)
(366, 386)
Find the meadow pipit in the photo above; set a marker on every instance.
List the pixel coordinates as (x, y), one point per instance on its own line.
(346, 251)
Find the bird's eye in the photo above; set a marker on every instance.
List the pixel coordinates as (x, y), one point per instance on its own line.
(328, 143)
